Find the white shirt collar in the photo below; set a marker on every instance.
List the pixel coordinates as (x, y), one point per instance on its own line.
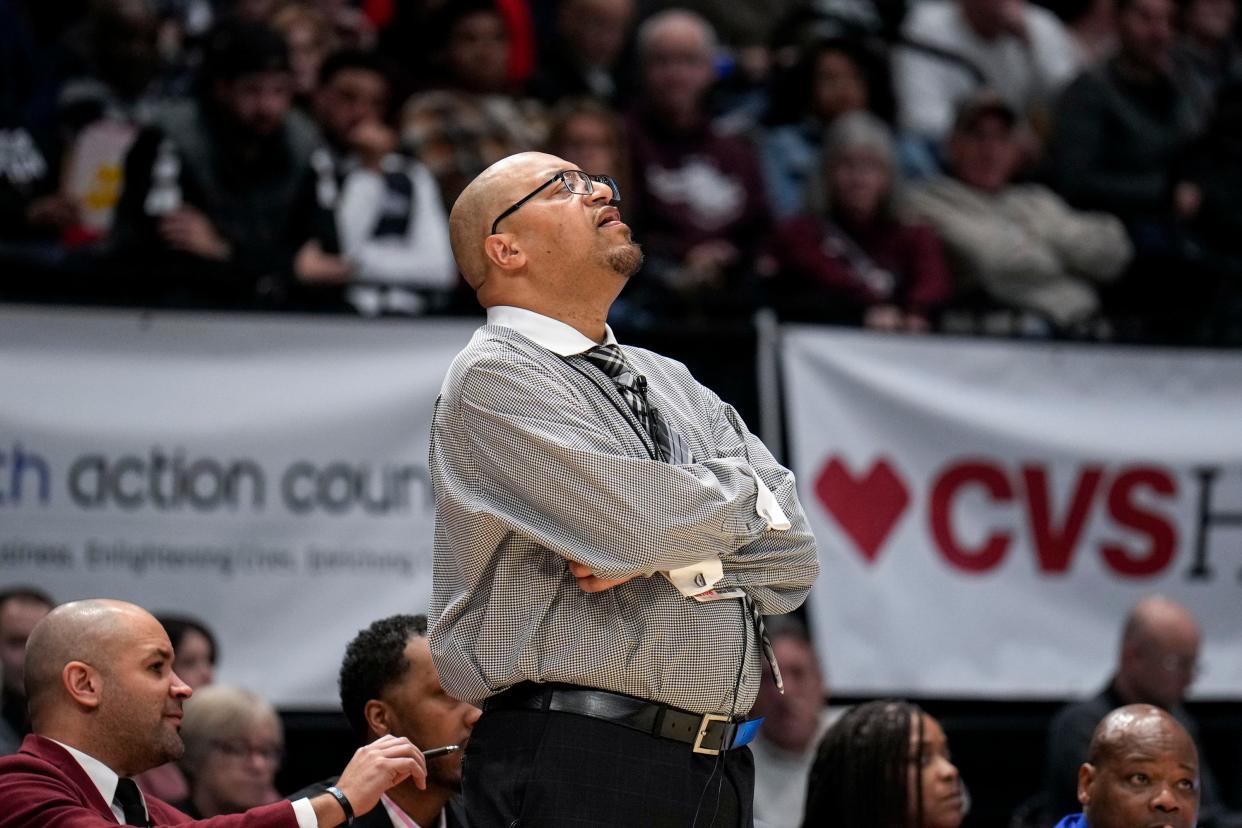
(546, 332)
(104, 777)
(401, 819)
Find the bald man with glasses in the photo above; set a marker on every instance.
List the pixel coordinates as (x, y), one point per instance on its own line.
(608, 533)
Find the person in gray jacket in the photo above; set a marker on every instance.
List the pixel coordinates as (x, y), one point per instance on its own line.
(1021, 244)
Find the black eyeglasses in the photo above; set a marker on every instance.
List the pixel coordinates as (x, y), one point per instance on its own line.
(576, 181)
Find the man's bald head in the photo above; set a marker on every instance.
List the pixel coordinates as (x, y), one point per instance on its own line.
(1154, 614)
(90, 631)
(486, 197)
(1142, 770)
(1138, 727)
(1159, 652)
(99, 678)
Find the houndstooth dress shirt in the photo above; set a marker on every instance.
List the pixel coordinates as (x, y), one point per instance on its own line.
(535, 459)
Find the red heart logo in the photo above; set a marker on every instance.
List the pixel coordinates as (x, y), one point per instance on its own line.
(866, 507)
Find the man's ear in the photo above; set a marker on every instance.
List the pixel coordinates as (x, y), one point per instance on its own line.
(379, 717)
(504, 251)
(83, 683)
(1086, 778)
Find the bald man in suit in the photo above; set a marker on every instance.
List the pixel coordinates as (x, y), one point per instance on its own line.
(105, 705)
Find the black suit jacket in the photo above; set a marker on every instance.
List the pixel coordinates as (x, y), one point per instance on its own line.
(377, 817)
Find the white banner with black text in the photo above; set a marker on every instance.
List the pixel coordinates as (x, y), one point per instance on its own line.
(265, 474)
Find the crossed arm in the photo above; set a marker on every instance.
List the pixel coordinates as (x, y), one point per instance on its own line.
(558, 474)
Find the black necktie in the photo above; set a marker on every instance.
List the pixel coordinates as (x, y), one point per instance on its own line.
(130, 800)
(633, 389)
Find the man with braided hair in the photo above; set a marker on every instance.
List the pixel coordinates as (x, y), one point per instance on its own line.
(608, 533)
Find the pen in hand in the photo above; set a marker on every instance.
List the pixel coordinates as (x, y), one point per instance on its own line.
(440, 751)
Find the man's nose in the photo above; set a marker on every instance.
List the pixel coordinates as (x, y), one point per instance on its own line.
(472, 715)
(179, 688)
(600, 193)
(1165, 801)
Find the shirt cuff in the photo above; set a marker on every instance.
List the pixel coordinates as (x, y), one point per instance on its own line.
(695, 578)
(767, 507)
(305, 813)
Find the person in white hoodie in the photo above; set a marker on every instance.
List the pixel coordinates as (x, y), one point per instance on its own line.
(380, 232)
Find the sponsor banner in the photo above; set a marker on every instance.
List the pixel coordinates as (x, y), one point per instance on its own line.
(266, 474)
(987, 512)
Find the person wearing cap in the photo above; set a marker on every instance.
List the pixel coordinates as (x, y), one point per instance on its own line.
(200, 218)
(1020, 245)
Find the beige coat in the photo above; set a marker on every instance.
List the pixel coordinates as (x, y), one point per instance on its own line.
(1024, 246)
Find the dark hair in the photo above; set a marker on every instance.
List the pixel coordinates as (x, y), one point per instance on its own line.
(349, 58)
(178, 625)
(862, 768)
(236, 48)
(373, 661)
(792, 88)
(30, 594)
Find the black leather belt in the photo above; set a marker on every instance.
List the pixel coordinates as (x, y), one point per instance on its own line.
(707, 733)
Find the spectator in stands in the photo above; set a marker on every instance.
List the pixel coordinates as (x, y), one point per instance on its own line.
(1019, 243)
(20, 609)
(590, 134)
(793, 723)
(194, 661)
(1141, 769)
(102, 110)
(1205, 54)
(310, 37)
(1120, 125)
(848, 258)
(1210, 186)
(195, 651)
(1156, 665)
(234, 744)
(390, 686)
(105, 704)
(1092, 25)
(587, 55)
(380, 242)
(830, 78)
(884, 764)
(699, 207)
(471, 118)
(208, 188)
(1015, 47)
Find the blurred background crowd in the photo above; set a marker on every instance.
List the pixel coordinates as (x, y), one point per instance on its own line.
(997, 166)
(1068, 171)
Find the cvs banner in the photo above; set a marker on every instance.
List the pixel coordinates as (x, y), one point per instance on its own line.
(988, 511)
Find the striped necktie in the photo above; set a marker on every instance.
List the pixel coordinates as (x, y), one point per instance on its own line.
(633, 389)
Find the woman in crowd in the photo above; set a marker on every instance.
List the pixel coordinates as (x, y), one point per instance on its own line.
(830, 78)
(194, 649)
(234, 744)
(847, 257)
(885, 764)
(586, 132)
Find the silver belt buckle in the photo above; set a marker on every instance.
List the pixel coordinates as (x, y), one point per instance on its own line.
(705, 723)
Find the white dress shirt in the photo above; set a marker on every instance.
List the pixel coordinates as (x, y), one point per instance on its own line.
(105, 780)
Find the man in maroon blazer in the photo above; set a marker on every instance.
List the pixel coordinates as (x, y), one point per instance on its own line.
(105, 705)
